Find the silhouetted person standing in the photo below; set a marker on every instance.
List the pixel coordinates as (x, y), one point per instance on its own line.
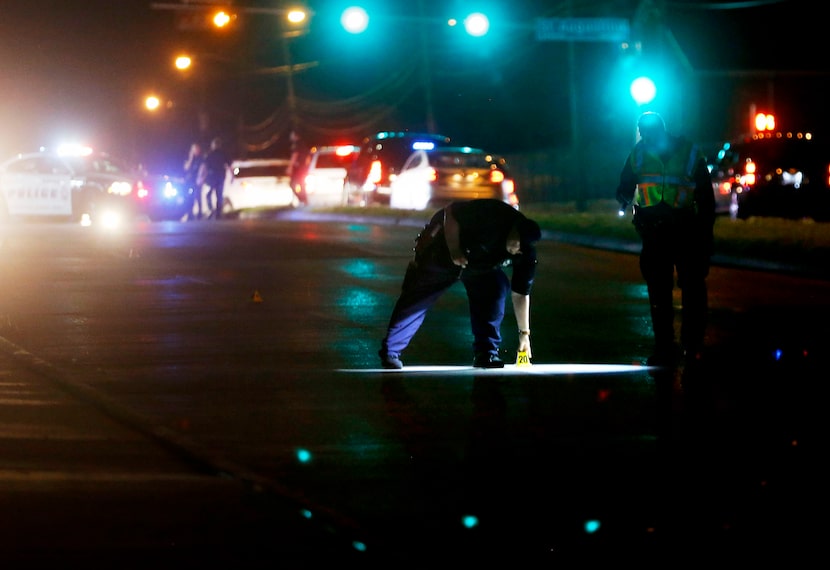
(298, 166)
(668, 182)
(193, 182)
(216, 166)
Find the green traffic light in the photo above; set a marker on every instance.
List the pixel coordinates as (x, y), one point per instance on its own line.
(643, 90)
(477, 24)
(354, 20)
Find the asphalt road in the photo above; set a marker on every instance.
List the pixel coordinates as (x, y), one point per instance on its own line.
(208, 394)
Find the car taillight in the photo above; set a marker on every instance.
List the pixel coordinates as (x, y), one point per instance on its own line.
(432, 175)
(345, 150)
(748, 179)
(828, 175)
(496, 176)
(375, 174)
(141, 191)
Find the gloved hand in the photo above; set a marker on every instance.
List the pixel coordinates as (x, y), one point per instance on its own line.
(623, 198)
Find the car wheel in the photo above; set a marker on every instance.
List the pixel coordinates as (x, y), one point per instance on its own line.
(344, 196)
(227, 207)
(83, 212)
(299, 195)
(350, 195)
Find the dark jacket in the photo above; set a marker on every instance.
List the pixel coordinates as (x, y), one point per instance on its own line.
(484, 226)
(216, 164)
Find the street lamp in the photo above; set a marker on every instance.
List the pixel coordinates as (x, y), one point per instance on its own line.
(221, 19)
(185, 63)
(296, 16)
(152, 102)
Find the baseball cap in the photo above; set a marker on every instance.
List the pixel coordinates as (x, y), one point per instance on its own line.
(651, 122)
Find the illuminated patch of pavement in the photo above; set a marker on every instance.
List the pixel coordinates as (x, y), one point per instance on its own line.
(510, 369)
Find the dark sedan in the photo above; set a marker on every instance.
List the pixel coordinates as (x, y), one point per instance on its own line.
(785, 175)
(162, 197)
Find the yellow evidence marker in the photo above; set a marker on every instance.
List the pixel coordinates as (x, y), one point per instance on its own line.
(522, 358)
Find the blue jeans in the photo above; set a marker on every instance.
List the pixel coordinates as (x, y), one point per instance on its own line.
(425, 281)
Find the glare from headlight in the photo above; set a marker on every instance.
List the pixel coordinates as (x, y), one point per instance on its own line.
(110, 220)
(170, 191)
(120, 188)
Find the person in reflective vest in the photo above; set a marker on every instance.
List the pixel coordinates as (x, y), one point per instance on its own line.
(666, 180)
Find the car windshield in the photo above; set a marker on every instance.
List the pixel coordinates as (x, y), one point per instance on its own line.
(460, 159)
(98, 163)
(395, 150)
(260, 170)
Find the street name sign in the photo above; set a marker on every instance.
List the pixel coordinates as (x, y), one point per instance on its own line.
(582, 29)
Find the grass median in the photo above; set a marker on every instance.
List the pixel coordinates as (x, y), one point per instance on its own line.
(802, 243)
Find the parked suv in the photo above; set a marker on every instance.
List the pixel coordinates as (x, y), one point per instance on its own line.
(324, 181)
(784, 175)
(380, 158)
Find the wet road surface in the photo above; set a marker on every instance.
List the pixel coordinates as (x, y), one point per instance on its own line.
(238, 362)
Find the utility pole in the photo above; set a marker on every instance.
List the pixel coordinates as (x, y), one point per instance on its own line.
(426, 72)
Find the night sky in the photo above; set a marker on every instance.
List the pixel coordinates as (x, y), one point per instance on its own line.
(80, 69)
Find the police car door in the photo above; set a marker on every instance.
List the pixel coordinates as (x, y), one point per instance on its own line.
(38, 186)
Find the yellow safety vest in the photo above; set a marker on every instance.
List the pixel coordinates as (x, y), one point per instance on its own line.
(672, 182)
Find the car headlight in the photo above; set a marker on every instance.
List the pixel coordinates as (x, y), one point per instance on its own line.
(169, 191)
(111, 219)
(120, 188)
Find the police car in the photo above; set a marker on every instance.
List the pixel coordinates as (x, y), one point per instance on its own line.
(74, 183)
(380, 158)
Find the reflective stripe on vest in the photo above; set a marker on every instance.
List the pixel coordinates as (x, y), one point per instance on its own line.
(671, 182)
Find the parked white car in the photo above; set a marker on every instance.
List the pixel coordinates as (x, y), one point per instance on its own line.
(325, 177)
(258, 183)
